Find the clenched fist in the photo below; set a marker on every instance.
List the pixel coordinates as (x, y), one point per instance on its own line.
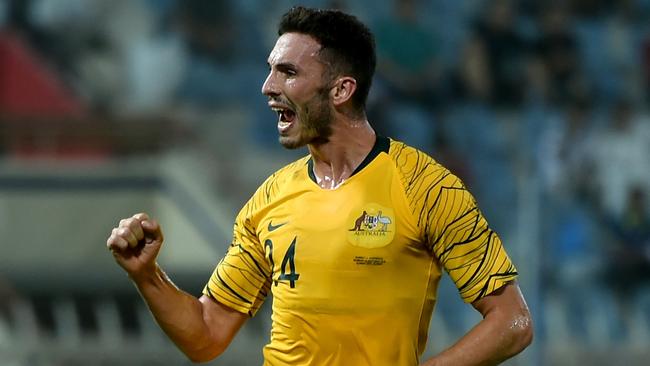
(135, 244)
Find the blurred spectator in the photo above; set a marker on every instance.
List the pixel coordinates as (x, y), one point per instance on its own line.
(557, 48)
(472, 80)
(152, 55)
(220, 67)
(538, 115)
(608, 38)
(623, 76)
(622, 157)
(629, 253)
(565, 158)
(506, 51)
(407, 52)
(209, 30)
(407, 76)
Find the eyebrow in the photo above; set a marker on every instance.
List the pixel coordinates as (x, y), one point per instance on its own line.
(284, 66)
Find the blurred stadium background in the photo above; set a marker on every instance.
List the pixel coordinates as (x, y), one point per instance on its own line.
(111, 107)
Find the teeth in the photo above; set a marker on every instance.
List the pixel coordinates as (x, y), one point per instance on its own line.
(279, 109)
(281, 112)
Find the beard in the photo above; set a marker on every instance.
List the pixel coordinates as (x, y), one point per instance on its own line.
(314, 122)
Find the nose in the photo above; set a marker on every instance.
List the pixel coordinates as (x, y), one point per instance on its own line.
(269, 88)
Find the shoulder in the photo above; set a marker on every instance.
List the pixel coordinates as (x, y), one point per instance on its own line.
(416, 168)
(425, 182)
(279, 180)
(287, 173)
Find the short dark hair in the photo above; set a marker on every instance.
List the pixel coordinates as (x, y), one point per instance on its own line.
(347, 44)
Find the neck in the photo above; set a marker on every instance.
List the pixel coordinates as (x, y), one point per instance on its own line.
(337, 159)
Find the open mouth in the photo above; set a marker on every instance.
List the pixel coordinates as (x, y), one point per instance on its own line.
(286, 117)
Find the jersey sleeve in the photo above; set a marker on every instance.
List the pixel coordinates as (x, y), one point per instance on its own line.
(459, 236)
(451, 226)
(241, 280)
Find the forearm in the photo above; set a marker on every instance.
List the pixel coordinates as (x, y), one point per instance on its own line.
(493, 340)
(180, 315)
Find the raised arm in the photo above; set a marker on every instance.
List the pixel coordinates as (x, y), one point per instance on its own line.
(202, 328)
(505, 330)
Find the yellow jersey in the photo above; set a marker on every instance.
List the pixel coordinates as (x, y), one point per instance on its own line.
(354, 270)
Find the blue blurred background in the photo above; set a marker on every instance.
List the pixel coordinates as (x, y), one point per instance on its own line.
(111, 107)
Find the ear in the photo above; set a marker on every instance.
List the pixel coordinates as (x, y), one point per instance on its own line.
(343, 89)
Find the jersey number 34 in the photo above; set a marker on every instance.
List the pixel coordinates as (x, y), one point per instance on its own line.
(288, 259)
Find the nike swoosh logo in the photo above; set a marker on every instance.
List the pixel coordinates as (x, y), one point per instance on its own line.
(275, 227)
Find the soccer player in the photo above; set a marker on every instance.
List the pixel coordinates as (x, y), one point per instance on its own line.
(351, 240)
